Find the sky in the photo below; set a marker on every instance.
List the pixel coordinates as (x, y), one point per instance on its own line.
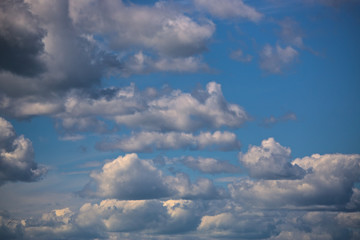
(191, 119)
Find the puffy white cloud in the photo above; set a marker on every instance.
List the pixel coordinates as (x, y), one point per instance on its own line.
(17, 156)
(152, 109)
(229, 9)
(270, 161)
(132, 178)
(166, 31)
(210, 165)
(150, 141)
(328, 182)
(274, 59)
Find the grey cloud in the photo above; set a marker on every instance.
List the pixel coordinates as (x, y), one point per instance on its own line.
(132, 178)
(20, 39)
(238, 55)
(328, 182)
(150, 141)
(210, 165)
(17, 157)
(271, 161)
(229, 9)
(275, 59)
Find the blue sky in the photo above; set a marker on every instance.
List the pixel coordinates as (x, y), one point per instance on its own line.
(179, 119)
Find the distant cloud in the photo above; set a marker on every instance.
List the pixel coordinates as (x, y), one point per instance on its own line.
(269, 122)
(17, 157)
(210, 165)
(270, 161)
(229, 9)
(275, 59)
(238, 55)
(150, 141)
(328, 182)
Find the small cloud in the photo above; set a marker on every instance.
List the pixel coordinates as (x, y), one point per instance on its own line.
(271, 121)
(72, 138)
(275, 59)
(238, 55)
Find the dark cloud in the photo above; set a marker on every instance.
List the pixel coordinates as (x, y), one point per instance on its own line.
(17, 157)
(20, 40)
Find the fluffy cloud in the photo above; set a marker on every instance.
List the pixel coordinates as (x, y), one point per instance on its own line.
(270, 161)
(229, 9)
(210, 165)
(168, 32)
(132, 178)
(17, 156)
(328, 182)
(153, 110)
(275, 59)
(149, 141)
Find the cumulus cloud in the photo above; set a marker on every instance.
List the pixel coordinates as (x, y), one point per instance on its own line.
(152, 109)
(132, 178)
(229, 9)
(150, 141)
(168, 32)
(328, 182)
(275, 59)
(210, 165)
(17, 156)
(270, 161)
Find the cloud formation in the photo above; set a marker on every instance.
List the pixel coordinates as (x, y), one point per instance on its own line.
(229, 9)
(325, 180)
(17, 157)
(275, 59)
(150, 141)
(210, 165)
(132, 178)
(270, 161)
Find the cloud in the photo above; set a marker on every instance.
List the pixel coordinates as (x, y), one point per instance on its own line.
(132, 178)
(166, 31)
(238, 55)
(149, 141)
(20, 39)
(269, 122)
(229, 9)
(291, 33)
(210, 165)
(328, 182)
(270, 161)
(17, 157)
(152, 109)
(275, 59)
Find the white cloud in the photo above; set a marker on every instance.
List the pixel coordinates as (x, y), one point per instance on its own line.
(210, 165)
(151, 110)
(328, 182)
(132, 178)
(270, 161)
(275, 59)
(150, 141)
(270, 121)
(17, 156)
(229, 9)
(166, 31)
